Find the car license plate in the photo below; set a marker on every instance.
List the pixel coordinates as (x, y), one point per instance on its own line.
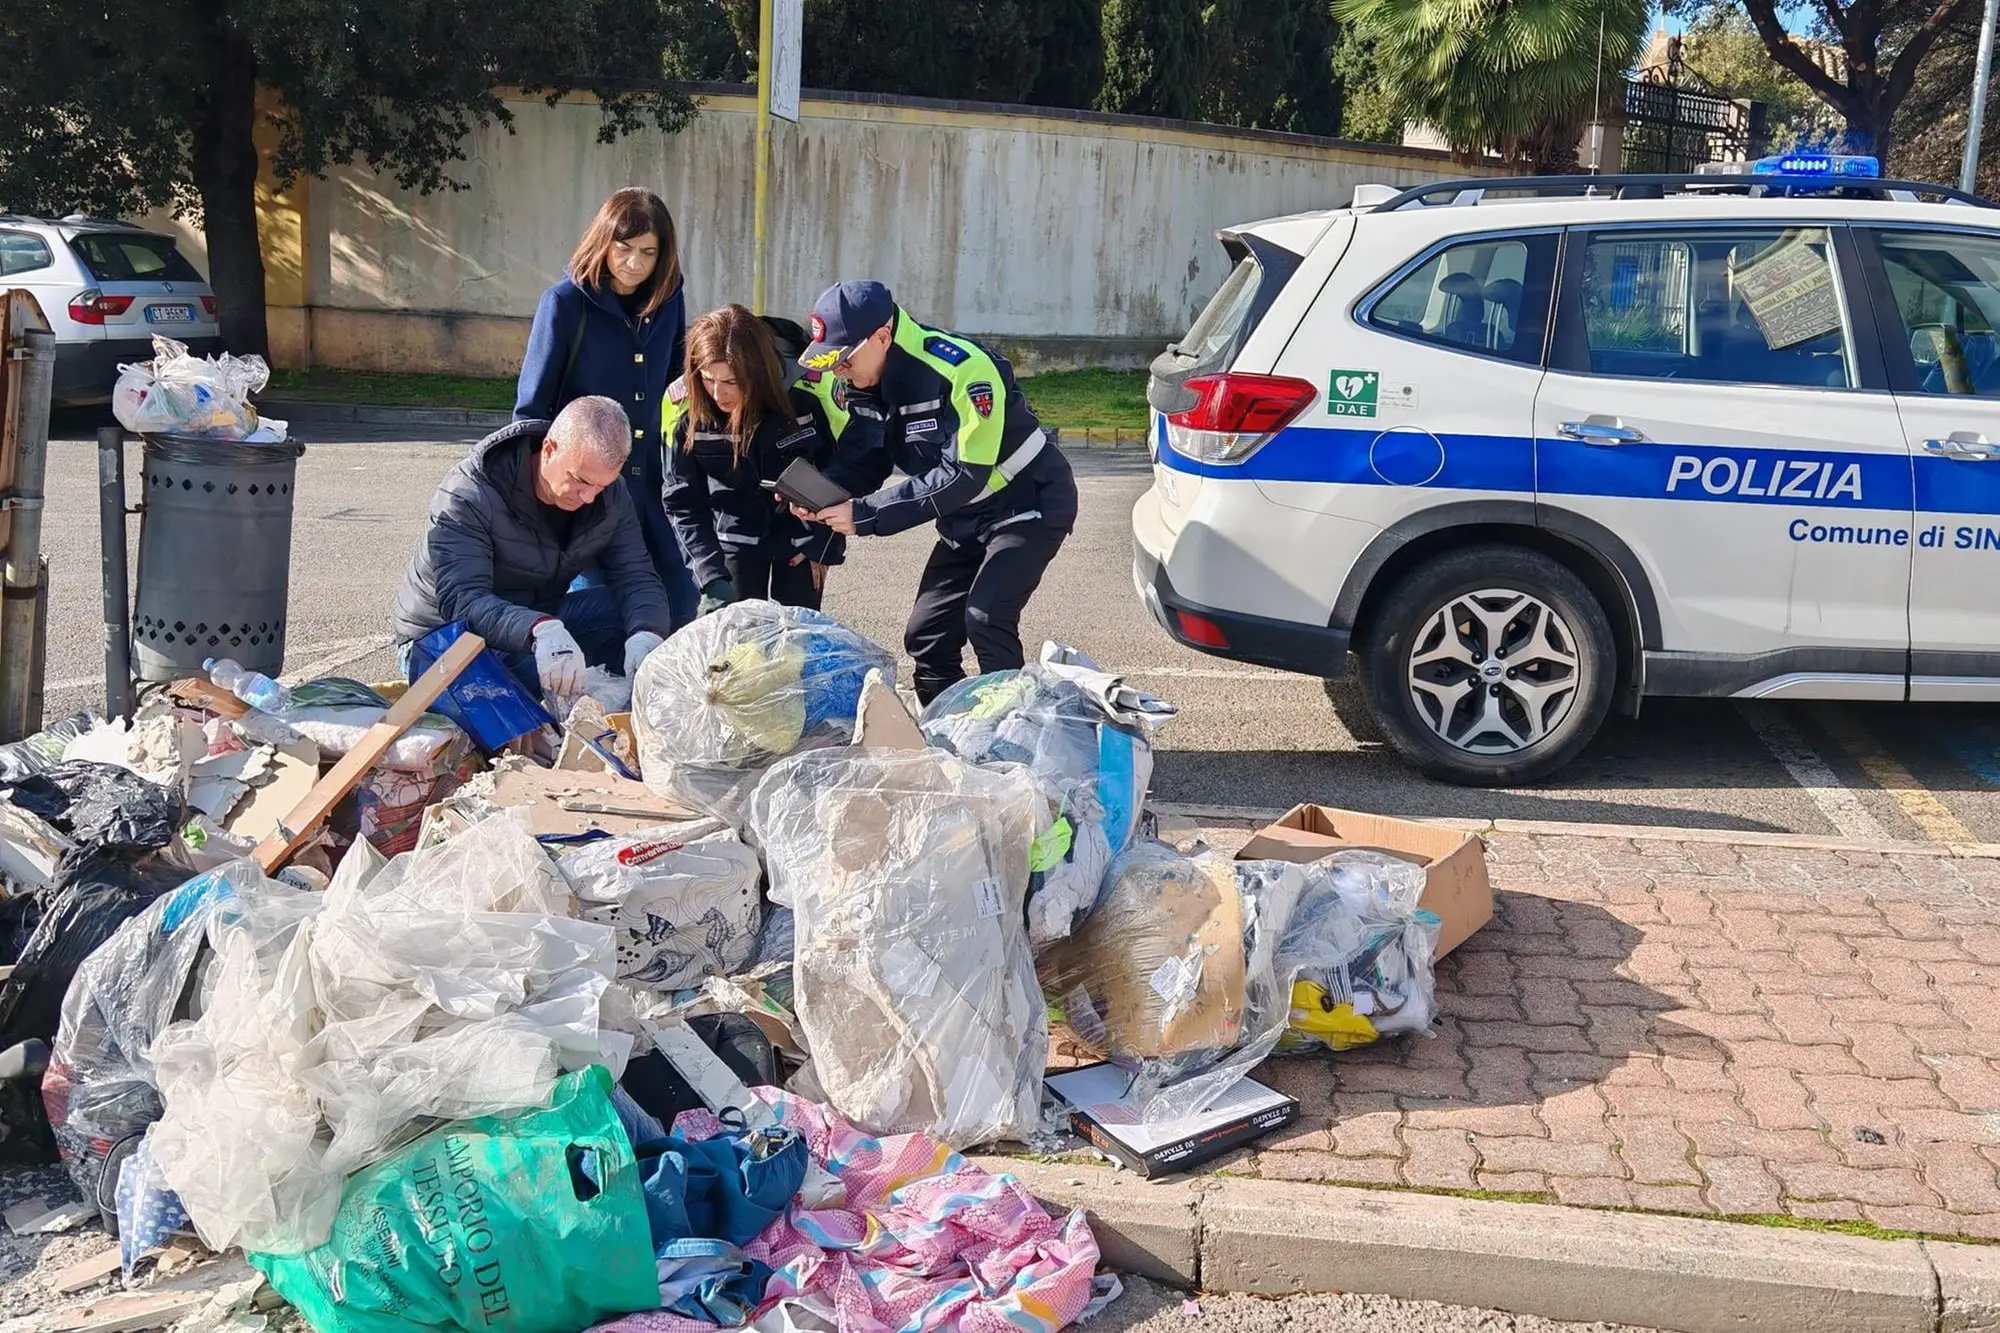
(170, 314)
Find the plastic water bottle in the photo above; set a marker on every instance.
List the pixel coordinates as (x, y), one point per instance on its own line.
(252, 687)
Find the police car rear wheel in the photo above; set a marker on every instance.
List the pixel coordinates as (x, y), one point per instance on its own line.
(1489, 666)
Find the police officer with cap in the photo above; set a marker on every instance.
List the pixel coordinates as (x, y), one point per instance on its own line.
(947, 413)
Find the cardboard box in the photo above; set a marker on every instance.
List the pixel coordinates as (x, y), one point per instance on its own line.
(1100, 1112)
(1456, 886)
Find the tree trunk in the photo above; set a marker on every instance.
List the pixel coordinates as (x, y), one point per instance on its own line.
(225, 172)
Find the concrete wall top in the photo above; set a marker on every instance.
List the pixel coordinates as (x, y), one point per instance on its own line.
(1004, 221)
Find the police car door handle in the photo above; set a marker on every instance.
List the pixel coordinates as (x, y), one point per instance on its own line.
(1602, 431)
(1964, 446)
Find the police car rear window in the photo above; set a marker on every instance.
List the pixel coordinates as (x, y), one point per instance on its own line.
(1220, 320)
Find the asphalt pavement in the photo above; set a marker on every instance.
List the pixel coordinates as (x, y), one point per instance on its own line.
(1246, 737)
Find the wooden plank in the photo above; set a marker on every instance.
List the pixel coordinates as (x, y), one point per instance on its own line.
(196, 693)
(88, 1272)
(19, 312)
(121, 1314)
(297, 828)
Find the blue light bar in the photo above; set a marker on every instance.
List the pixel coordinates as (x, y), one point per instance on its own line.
(1817, 166)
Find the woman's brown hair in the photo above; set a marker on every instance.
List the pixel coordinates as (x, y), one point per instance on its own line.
(742, 341)
(628, 213)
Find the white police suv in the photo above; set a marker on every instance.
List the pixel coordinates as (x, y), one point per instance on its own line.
(1534, 448)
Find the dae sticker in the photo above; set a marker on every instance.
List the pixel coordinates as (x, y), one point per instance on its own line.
(1353, 393)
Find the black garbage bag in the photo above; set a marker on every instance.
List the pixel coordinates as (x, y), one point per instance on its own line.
(101, 807)
(98, 894)
(43, 750)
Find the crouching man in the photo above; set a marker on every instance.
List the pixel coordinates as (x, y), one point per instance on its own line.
(511, 528)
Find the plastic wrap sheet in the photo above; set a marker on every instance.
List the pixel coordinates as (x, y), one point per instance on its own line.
(907, 872)
(1359, 952)
(1084, 734)
(683, 901)
(1176, 977)
(100, 1089)
(729, 695)
(446, 984)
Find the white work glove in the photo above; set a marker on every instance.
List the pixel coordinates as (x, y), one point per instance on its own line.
(636, 648)
(558, 661)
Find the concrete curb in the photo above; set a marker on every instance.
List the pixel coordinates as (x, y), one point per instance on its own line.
(305, 412)
(1807, 842)
(1273, 1238)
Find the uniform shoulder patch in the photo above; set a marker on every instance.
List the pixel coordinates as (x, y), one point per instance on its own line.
(947, 351)
(677, 392)
(981, 395)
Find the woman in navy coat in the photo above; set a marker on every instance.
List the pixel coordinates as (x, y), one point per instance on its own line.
(614, 325)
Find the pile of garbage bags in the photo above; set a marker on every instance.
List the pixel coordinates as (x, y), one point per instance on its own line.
(470, 1033)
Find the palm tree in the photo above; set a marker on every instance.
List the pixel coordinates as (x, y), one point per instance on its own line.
(1513, 76)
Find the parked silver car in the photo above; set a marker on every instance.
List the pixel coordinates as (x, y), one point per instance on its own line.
(106, 287)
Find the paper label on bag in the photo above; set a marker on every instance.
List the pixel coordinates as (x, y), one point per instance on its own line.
(986, 893)
(1177, 982)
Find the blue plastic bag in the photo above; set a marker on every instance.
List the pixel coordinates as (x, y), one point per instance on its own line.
(486, 699)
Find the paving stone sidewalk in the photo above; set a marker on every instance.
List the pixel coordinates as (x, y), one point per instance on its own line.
(1694, 1028)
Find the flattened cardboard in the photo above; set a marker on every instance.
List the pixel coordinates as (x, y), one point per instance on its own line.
(1456, 886)
(882, 722)
(570, 802)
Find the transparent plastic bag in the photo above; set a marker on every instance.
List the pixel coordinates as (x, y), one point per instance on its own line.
(101, 1089)
(1360, 953)
(907, 873)
(1176, 976)
(445, 984)
(683, 900)
(1084, 735)
(729, 695)
(180, 394)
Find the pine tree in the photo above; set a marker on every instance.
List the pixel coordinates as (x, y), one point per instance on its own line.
(1153, 58)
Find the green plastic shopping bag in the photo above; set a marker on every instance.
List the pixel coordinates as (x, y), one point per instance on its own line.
(525, 1223)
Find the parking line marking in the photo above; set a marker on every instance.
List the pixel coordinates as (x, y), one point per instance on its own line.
(1919, 802)
(336, 654)
(1842, 808)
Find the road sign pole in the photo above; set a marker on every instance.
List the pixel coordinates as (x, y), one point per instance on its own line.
(1975, 123)
(763, 199)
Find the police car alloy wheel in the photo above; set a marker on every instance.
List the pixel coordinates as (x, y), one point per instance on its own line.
(1489, 666)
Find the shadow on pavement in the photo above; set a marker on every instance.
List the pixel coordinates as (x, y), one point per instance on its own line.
(1531, 1007)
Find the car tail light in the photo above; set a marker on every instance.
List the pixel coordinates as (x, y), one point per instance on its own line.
(92, 306)
(1236, 414)
(208, 304)
(1201, 630)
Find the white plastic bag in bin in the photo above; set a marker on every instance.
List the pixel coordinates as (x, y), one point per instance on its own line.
(180, 394)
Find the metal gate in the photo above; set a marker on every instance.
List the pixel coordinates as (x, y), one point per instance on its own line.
(1673, 127)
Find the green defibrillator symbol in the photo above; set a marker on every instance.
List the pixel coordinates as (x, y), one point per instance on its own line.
(1353, 393)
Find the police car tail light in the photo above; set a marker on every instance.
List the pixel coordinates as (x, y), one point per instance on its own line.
(1236, 414)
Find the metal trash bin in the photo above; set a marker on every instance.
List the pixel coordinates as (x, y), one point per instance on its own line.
(215, 555)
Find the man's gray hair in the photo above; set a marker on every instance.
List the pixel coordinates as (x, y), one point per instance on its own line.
(596, 425)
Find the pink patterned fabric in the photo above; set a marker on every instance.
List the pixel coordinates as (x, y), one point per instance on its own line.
(925, 1241)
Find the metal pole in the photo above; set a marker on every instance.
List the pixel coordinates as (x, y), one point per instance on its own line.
(117, 597)
(764, 44)
(19, 576)
(1975, 124)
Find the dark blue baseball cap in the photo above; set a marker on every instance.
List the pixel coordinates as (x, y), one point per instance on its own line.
(846, 313)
